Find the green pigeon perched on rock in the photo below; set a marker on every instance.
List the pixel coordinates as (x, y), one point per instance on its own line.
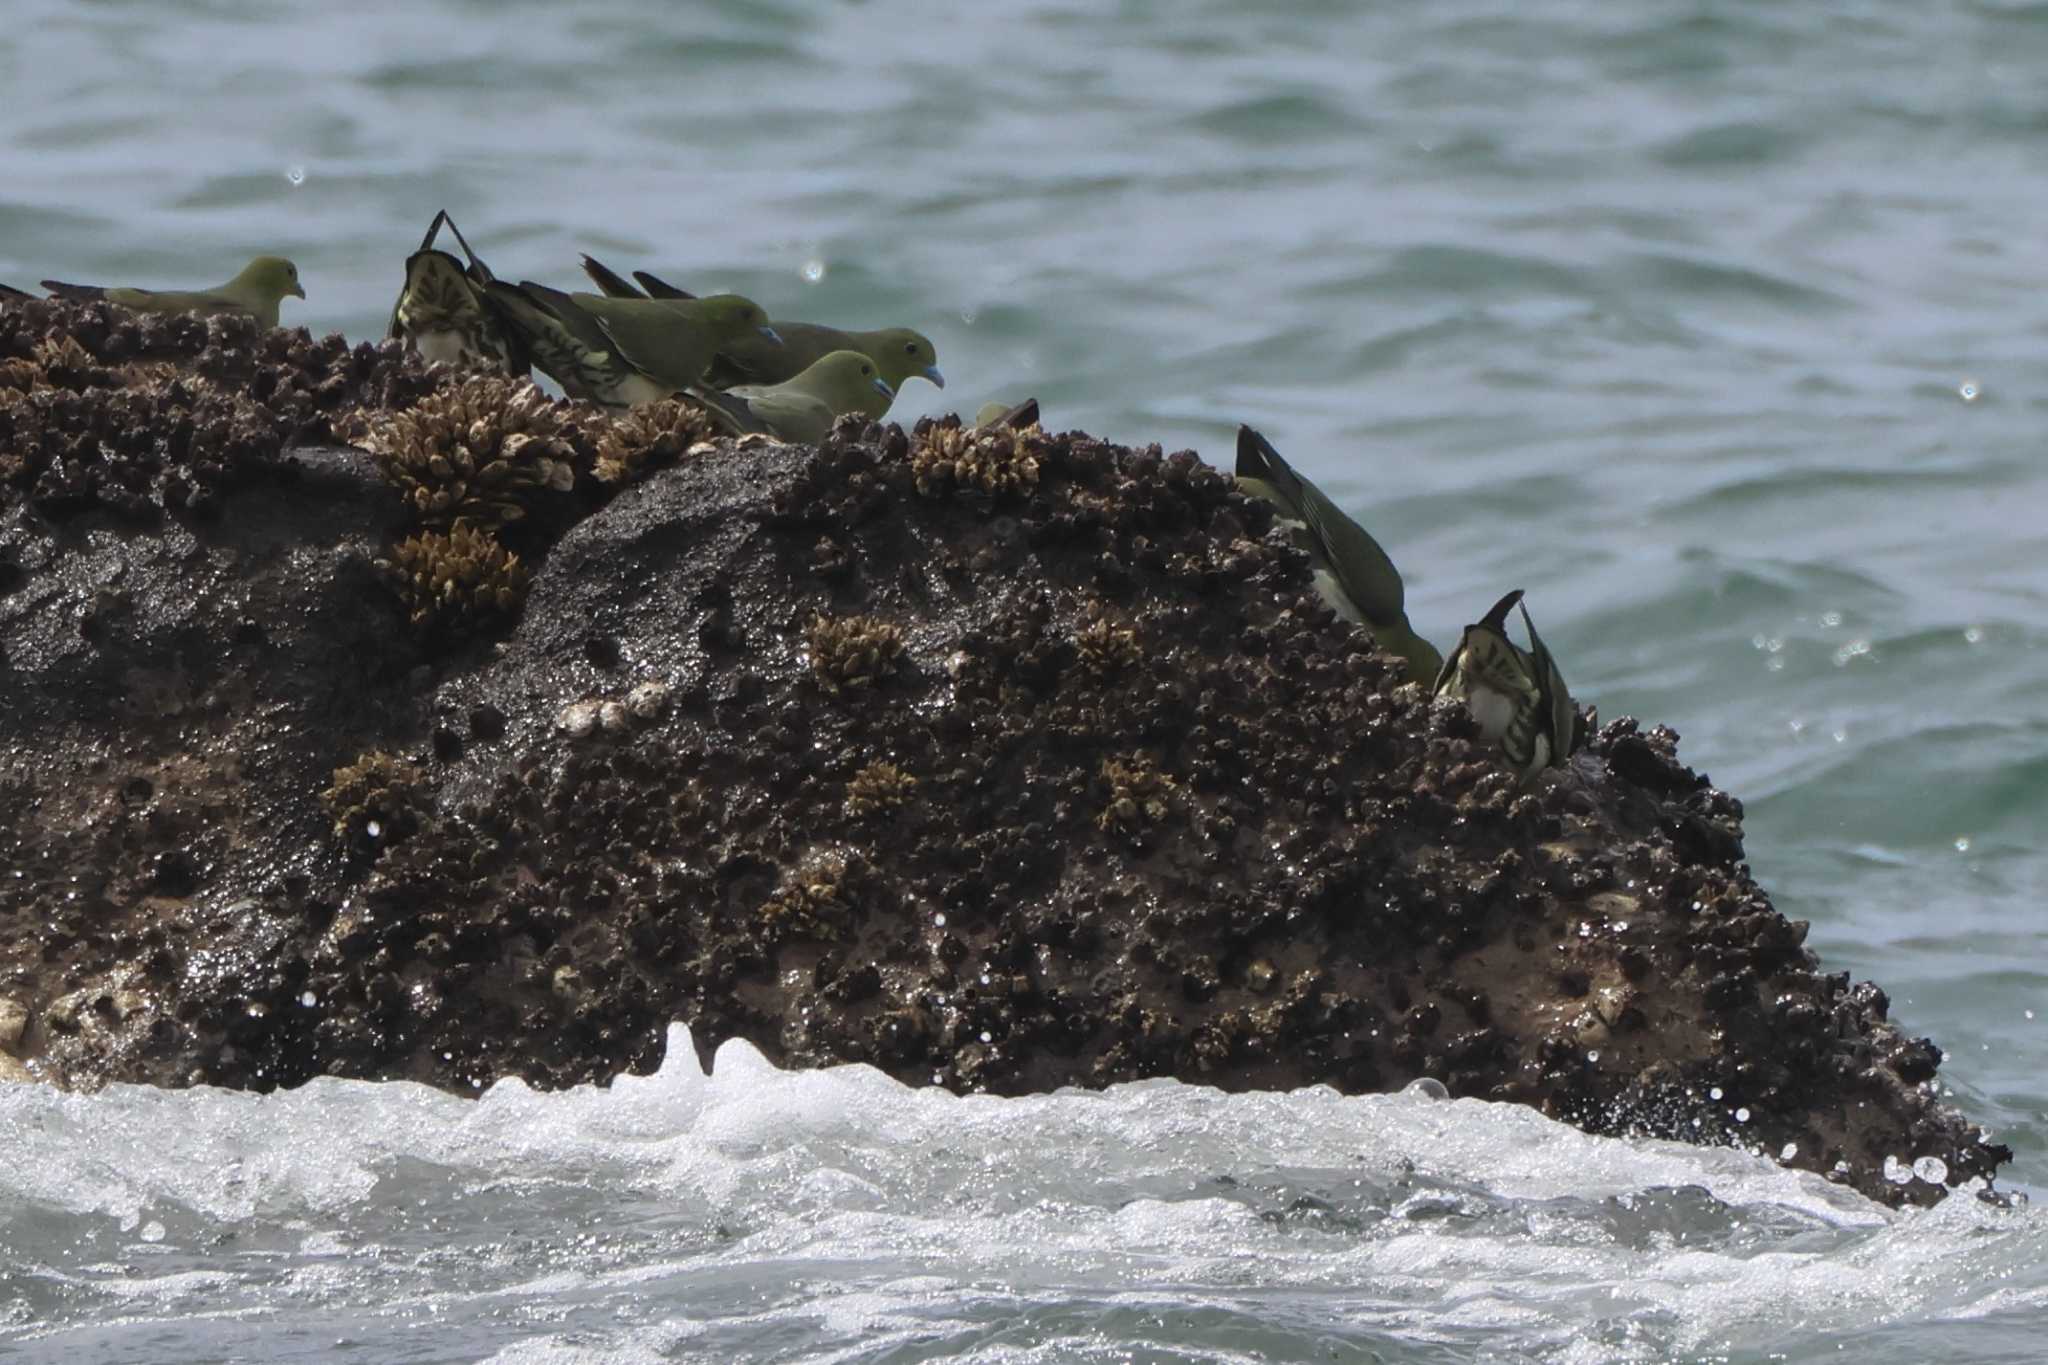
(258, 290)
(804, 408)
(1517, 695)
(1015, 416)
(623, 352)
(1352, 572)
(899, 353)
(444, 313)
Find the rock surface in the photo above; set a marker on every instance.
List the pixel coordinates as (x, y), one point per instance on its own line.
(1000, 765)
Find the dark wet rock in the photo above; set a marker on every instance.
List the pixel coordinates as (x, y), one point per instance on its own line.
(999, 769)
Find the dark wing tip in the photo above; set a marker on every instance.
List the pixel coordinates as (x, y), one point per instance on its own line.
(1497, 618)
(1253, 452)
(1025, 414)
(10, 292)
(659, 288)
(608, 280)
(434, 229)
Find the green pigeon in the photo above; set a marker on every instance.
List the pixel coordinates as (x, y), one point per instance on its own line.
(1352, 572)
(258, 290)
(998, 414)
(443, 312)
(623, 352)
(1517, 695)
(898, 352)
(614, 285)
(803, 409)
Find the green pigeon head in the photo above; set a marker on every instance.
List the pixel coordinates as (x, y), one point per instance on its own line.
(846, 381)
(269, 278)
(903, 354)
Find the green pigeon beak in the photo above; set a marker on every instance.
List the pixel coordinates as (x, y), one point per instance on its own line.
(772, 335)
(931, 372)
(882, 387)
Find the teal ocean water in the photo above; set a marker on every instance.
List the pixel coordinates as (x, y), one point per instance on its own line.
(1717, 327)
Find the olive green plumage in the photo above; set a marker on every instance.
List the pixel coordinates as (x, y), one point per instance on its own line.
(444, 313)
(257, 290)
(899, 353)
(1352, 572)
(804, 408)
(623, 352)
(1517, 695)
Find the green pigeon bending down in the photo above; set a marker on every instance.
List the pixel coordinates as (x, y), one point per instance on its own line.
(1017, 417)
(803, 409)
(258, 290)
(1517, 695)
(899, 353)
(1352, 572)
(443, 312)
(622, 352)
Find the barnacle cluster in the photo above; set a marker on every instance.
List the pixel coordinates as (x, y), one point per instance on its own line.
(1104, 645)
(814, 896)
(459, 579)
(648, 437)
(852, 651)
(378, 800)
(1138, 794)
(993, 459)
(480, 453)
(880, 786)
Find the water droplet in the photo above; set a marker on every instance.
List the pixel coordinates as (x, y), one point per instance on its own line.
(1931, 1169)
(296, 174)
(374, 829)
(1968, 390)
(969, 316)
(1788, 1151)
(2028, 1013)
(1830, 619)
(985, 1036)
(309, 1000)
(152, 1231)
(1973, 635)
(1897, 1171)
(1715, 1093)
(814, 270)
(1963, 844)
(1593, 1056)
(1742, 1115)
(939, 919)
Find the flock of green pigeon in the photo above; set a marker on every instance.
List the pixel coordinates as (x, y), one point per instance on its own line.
(628, 344)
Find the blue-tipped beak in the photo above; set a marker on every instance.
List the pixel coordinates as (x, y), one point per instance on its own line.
(772, 335)
(882, 387)
(931, 372)
(299, 289)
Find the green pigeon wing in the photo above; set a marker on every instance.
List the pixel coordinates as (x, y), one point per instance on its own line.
(662, 341)
(560, 339)
(733, 415)
(790, 414)
(1017, 418)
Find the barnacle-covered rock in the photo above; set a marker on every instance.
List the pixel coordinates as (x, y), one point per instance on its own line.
(479, 453)
(852, 651)
(461, 579)
(648, 437)
(992, 459)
